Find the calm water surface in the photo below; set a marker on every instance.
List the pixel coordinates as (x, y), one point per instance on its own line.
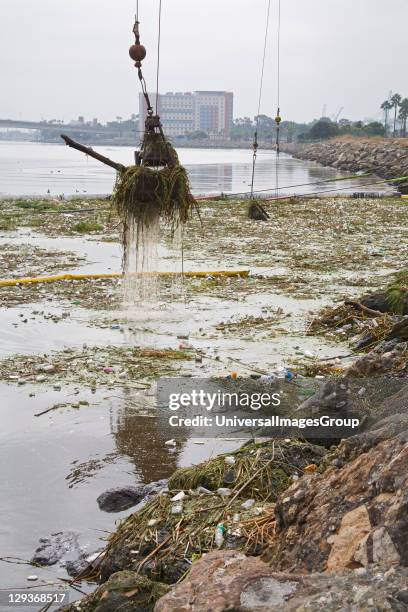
(36, 168)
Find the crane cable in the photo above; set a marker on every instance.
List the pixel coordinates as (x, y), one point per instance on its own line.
(158, 57)
(278, 118)
(255, 143)
(141, 77)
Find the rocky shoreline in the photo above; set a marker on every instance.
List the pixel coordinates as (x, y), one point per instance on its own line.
(388, 158)
(302, 524)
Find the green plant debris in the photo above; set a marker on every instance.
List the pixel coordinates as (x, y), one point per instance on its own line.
(56, 218)
(141, 192)
(7, 224)
(26, 260)
(94, 366)
(397, 293)
(36, 205)
(87, 227)
(267, 486)
(309, 248)
(125, 591)
(250, 323)
(95, 294)
(166, 539)
(143, 196)
(346, 323)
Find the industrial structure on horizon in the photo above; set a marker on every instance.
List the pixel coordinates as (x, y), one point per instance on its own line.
(199, 111)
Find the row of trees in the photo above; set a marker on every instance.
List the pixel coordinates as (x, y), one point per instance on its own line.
(399, 106)
(243, 129)
(328, 129)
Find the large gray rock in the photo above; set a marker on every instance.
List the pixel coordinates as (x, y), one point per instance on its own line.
(56, 547)
(355, 513)
(123, 498)
(125, 591)
(227, 580)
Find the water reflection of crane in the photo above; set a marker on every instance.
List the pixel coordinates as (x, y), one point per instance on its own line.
(142, 440)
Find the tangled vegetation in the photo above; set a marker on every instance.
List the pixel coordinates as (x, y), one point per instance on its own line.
(162, 543)
(397, 293)
(141, 194)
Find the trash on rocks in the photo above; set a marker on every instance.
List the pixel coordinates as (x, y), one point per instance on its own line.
(204, 491)
(247, 505)
(219, 535)
(310, 469)
(224, 492)
(179, 497)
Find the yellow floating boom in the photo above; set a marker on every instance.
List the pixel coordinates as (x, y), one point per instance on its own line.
(79, 277)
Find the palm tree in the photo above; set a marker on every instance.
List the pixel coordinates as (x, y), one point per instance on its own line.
(403, 116)
(396, 101)
(386, 107)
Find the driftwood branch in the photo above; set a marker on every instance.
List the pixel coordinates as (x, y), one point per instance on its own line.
(89, 151)
(369, 311)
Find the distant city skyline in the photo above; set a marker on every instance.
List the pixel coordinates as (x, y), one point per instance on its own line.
(68, 58)
(182, 113)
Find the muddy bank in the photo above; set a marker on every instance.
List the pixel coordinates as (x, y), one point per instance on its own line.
(385, 157)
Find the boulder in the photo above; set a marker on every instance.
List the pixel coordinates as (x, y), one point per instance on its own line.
(380, 301)
(124, 591)
(355, 513)
(227, 580)
(122, 498)
(381, 363)
(55, 548)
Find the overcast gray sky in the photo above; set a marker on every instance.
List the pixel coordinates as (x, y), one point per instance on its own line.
(64, 58)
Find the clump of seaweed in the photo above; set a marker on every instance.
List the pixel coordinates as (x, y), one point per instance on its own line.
(123, 591)
(142, 194)
(161, 543)
(397, 293)
(143, 197)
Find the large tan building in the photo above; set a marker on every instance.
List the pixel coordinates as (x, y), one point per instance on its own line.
(183, 113)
